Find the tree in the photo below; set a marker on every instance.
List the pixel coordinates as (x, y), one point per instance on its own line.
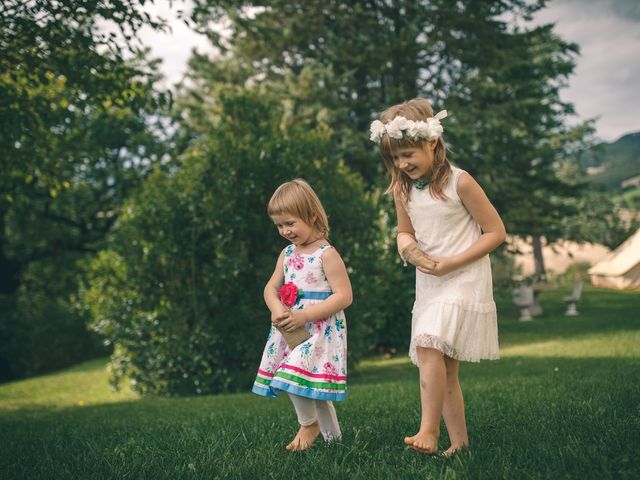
(499, 79)
(77, 105)
(72, 113)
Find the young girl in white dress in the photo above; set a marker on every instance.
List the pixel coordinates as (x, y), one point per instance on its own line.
(316, 289)
(445, 212)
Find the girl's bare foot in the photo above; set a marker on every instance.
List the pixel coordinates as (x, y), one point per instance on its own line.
(304, 438)
(409, 440)
(453, 449)
(424, 442)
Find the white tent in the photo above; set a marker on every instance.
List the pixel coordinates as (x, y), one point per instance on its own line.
(621, 267)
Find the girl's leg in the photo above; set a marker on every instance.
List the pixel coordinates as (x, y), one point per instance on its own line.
(328, 420)
(433, 381)
(453, 408)
(308, 420)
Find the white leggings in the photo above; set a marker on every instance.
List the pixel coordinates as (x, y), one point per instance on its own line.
(310, 411)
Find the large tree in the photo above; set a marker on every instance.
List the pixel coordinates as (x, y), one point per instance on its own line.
(498, 76)
(77, 108)
(73, 122)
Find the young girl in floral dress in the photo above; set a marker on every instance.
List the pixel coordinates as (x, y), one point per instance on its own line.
(306, 294)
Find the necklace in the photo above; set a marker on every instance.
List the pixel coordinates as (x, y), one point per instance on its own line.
(420, 184)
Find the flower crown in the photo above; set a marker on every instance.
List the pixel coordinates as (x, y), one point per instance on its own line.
(427, 129)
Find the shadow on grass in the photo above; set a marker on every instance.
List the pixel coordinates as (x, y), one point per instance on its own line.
(554, 416)
(573, 372)
(546, 410)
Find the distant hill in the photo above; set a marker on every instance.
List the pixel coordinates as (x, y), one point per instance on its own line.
(615, 162)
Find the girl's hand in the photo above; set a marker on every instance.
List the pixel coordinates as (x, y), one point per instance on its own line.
(440, 267)
(415, 256)
(293, 320)
(277, 317)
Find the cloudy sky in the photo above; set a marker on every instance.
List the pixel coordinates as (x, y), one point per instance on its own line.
(605, 84)
(606, 81)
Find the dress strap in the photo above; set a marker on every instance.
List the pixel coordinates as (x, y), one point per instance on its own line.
(453, 185)
(289, 249)
(318, 251)
(455, 173)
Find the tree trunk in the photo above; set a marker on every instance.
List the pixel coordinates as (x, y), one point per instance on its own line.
(9, 269)
(538, 259)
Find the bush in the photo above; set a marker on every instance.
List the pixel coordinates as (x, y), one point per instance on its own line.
(179, 291)
(41, 329)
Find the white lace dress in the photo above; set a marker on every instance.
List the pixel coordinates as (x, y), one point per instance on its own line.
(454, 313)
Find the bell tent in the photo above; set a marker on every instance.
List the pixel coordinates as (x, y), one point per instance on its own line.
(620, 268)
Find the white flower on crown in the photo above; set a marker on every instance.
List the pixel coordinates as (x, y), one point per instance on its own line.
(377, 131)
(418, 129)
(399, 126)
(396, 126)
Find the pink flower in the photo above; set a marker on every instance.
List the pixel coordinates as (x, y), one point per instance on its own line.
(289, 294)
(311, 278)
(296, 261)
(320, 324)
(330, 369)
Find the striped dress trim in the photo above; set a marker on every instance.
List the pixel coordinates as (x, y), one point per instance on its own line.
(320, 386)
(270, 391)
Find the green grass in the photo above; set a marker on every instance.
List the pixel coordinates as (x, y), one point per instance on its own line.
(563, 402)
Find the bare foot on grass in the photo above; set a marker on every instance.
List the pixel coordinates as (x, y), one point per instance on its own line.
(304, 438)
(424, 442)
(454, 449)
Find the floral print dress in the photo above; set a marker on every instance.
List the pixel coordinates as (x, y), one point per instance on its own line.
(317, 368)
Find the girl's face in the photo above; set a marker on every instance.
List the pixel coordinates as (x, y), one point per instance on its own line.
(415, 162)
(294, 229)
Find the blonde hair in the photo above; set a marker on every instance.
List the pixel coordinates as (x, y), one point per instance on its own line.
(416, 109)
(297, 198)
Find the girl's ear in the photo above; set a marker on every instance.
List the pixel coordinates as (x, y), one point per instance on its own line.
(431, 144)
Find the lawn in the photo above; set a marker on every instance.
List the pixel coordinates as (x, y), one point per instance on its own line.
(563, 402)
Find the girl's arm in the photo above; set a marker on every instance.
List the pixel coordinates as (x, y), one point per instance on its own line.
(341, 298)
(271, 289)
(406, 233)
(483, 212)
(406, 237)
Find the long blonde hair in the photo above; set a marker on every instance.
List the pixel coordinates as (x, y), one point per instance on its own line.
(416, 109)
(297, 198)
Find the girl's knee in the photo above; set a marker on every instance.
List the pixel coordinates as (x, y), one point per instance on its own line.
(452, 365)
(452, 370)
(452, 382)
(425, 384)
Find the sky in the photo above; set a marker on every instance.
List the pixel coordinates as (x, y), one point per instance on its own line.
(605, 84)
